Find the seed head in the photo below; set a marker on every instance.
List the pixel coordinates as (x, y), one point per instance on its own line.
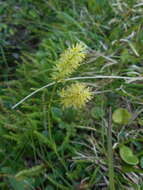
(69, 61)
(76, 95)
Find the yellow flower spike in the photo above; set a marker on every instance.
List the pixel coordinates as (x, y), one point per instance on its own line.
(76, 95)
(69, 61)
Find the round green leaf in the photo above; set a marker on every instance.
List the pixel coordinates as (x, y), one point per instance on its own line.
(121, 116)
(127, 156)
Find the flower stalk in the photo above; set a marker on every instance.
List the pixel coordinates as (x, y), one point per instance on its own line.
(131, 79)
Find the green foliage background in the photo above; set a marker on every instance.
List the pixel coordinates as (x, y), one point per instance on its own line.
(32, 35)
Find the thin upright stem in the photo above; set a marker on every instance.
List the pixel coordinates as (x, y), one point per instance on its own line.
(110, 153)
(49, 111)
(54, 146)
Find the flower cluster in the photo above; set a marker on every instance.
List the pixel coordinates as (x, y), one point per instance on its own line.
(76, 95)
(69, 61)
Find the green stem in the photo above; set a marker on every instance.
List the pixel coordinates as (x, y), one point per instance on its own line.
(54, 147)
(49, 111)
(110, 154)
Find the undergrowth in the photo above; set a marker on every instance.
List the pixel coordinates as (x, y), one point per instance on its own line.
(76, 157)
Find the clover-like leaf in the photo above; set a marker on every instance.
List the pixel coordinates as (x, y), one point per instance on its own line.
(128, 156)
(121, 116)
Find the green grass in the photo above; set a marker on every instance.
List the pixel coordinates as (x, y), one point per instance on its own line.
(76, 156)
